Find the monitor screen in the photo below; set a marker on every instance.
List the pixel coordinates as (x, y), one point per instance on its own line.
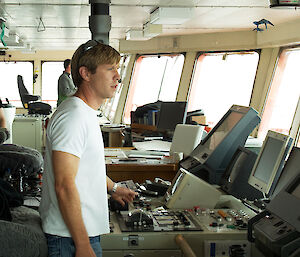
(185, 186)
(214, 139)
(211, 157)
(171, 114)
(224, 129)
(268, 159)
(269, 163)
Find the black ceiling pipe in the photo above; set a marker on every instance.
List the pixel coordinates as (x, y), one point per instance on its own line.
(100, 20)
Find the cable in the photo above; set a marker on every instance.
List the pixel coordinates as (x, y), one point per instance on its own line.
(2, 34)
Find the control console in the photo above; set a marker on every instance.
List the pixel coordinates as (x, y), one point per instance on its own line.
(157, 220)
(195, 219)
(222, 220)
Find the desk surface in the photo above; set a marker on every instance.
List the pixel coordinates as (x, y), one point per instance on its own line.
(141, 170)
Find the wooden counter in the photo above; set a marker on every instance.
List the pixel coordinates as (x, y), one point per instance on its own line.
(139, 172)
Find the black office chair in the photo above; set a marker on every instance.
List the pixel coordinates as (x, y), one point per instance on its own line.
(22, 168)
(30, 101)
(20, 178)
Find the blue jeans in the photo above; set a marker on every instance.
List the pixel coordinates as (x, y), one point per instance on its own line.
(64, 246)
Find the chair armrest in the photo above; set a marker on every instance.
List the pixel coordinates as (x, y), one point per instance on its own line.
(30, 98)
(23, 237)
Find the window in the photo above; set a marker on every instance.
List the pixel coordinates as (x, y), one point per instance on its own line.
(110, 106)
(154, 78)
(283, 95)
(221, 80)
(9, 86)
(50, 74)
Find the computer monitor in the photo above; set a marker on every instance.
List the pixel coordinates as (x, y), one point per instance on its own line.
(286, 204)
(186, 137)
(210, 158)
(290, 170)
(270, 160)
(170, 114)
(235, 178)
(187, 191)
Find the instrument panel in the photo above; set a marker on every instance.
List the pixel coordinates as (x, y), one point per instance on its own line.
(161, 219)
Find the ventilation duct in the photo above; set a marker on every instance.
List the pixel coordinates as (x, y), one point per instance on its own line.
(12, 41)
(100, 20)
(171, 15)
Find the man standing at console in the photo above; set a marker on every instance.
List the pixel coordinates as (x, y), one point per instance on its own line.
(74, 207)
(65, 86)
(2, 118)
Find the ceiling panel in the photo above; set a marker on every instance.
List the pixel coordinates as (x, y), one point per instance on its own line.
(236, 3)
(66, 21)
(129, 16)
(61, 2)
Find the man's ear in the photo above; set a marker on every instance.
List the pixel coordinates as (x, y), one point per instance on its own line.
(84, 73)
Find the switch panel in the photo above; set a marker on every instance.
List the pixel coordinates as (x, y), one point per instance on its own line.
(222, 248)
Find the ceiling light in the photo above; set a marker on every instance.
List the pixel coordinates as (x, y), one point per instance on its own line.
(28, 49)
(14, 42)
(12, 38)
(134, 35)
(152, 30)
(171, 15)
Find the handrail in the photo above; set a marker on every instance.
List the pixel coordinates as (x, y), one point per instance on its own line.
(184, 246)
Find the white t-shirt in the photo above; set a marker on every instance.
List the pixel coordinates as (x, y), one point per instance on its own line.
(74, 129)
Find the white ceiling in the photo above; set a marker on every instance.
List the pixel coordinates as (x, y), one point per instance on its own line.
(66, 21)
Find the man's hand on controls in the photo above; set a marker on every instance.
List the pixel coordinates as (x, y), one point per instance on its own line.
(123, 195)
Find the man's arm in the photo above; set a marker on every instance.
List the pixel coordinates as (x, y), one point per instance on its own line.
(2, 119)
(122, 194)
(65, 167)
(4, 133)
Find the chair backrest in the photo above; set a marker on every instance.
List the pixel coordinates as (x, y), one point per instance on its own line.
(22, 91)
(26, 98)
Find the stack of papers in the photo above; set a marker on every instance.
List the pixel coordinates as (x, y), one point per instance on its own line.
(154, 145)
(146, 154)
(114, 153)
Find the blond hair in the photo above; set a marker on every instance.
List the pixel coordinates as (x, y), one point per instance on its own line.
(91, 57)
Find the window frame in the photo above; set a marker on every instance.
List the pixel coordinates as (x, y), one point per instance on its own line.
(129, 97)
(294, 130)
(203, 53)
(31, 89)
(50, 101)
(111, 105)
(295, 127)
